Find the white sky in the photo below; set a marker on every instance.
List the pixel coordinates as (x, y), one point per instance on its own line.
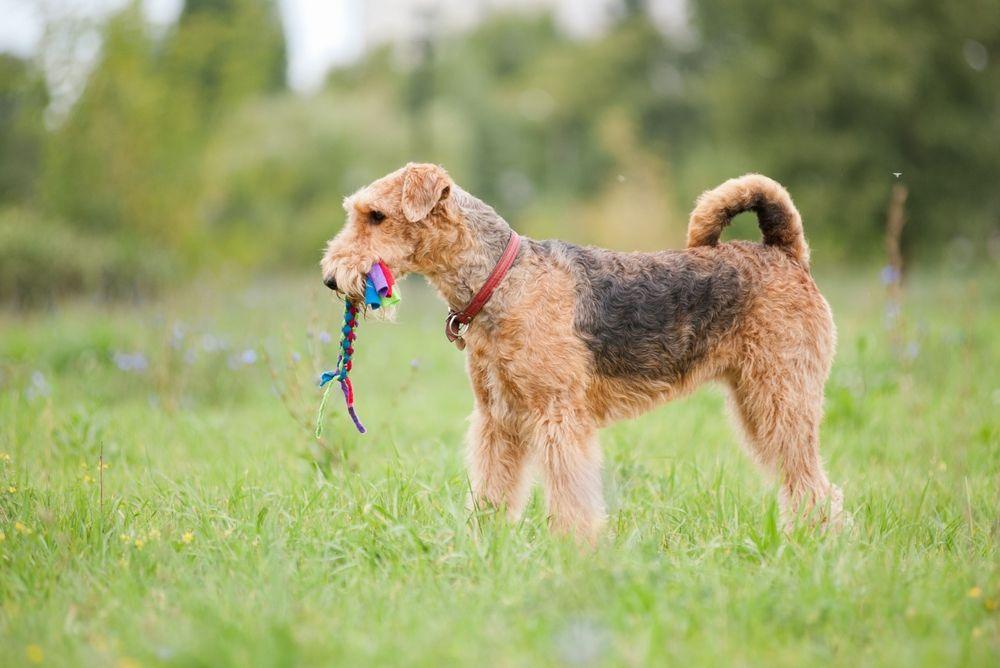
(319, 32)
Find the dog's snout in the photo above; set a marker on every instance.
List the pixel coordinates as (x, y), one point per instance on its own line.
(330, 282)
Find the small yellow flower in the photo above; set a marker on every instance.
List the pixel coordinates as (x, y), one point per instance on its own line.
(34, 653)
(4, 457)
(124, 537)
(3, 536)
(87, 479)
(12, 490)
(975, 592)
(188, 537)
(22, 529)
(139, 543)
(105, 466)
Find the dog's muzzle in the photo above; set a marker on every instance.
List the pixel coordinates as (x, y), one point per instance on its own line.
(330, 282)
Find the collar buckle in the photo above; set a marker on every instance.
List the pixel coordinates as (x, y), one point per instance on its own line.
(455, 329)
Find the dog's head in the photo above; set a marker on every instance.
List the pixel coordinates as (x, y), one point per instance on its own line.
(406, 219)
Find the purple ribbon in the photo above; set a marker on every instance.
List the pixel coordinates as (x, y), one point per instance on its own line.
(378, 278)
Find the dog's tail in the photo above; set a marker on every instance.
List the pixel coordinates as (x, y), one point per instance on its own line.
(778, 218)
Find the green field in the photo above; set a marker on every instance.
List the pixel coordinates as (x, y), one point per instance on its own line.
(228, 536)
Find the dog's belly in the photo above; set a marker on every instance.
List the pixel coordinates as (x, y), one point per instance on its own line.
(617, 398)
(652, 317)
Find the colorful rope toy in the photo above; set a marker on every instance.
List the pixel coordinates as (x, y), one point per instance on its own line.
(380, 291)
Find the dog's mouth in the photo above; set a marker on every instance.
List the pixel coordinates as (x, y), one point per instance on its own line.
(344, 285)
(346, 282)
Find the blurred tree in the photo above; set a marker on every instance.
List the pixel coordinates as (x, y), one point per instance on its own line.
(832, 99)
(631, 8)
(538, 104)
(222, 52)
(190, 141)
(23, 99)
(130, 154)
(484, 78)
(419, 90)
(274, 201)
(105, 165)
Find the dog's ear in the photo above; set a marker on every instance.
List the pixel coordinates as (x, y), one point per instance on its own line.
(423, 187)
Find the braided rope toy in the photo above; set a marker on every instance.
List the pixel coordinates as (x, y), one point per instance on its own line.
(380, 291)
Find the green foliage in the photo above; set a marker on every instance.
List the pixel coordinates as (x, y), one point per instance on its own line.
(189, 141)
(122, 160)
(530, 121)
(542, 126)
(831, 100)
(23, 99)
(41, 260)
(129, 156)
(286, 186)
(537, 103)
(224, 539)
(224, 52)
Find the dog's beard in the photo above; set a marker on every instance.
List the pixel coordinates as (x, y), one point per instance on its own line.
(383, 314)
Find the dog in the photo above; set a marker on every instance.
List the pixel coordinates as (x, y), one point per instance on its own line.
(574, 338)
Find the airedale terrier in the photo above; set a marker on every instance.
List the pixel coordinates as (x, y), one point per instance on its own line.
(574, 337)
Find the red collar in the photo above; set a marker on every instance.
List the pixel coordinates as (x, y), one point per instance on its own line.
(457, 322)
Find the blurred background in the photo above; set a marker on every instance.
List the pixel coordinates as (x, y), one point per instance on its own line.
(146, 143)
(175, 492)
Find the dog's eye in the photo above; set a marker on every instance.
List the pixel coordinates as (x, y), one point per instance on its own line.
(376, 217)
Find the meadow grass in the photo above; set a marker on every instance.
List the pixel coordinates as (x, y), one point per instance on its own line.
(227, 535)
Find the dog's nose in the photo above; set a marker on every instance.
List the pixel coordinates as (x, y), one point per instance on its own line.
(330, 282)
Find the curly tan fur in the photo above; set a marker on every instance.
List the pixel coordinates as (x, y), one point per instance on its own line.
(779, 219)
(624, 332)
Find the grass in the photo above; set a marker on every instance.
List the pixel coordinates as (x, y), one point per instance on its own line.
(226, 535)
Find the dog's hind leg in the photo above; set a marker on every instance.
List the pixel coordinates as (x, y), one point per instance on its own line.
(780, 412)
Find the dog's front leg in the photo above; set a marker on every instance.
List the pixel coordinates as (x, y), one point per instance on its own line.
(566, 440)
(498, 463)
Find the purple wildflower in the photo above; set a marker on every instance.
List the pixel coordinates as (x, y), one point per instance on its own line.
(39, 387)
(130, 362)
(889, 275)
(177, 336)
(211, 344)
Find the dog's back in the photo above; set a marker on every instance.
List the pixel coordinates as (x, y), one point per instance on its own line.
(653, 316)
